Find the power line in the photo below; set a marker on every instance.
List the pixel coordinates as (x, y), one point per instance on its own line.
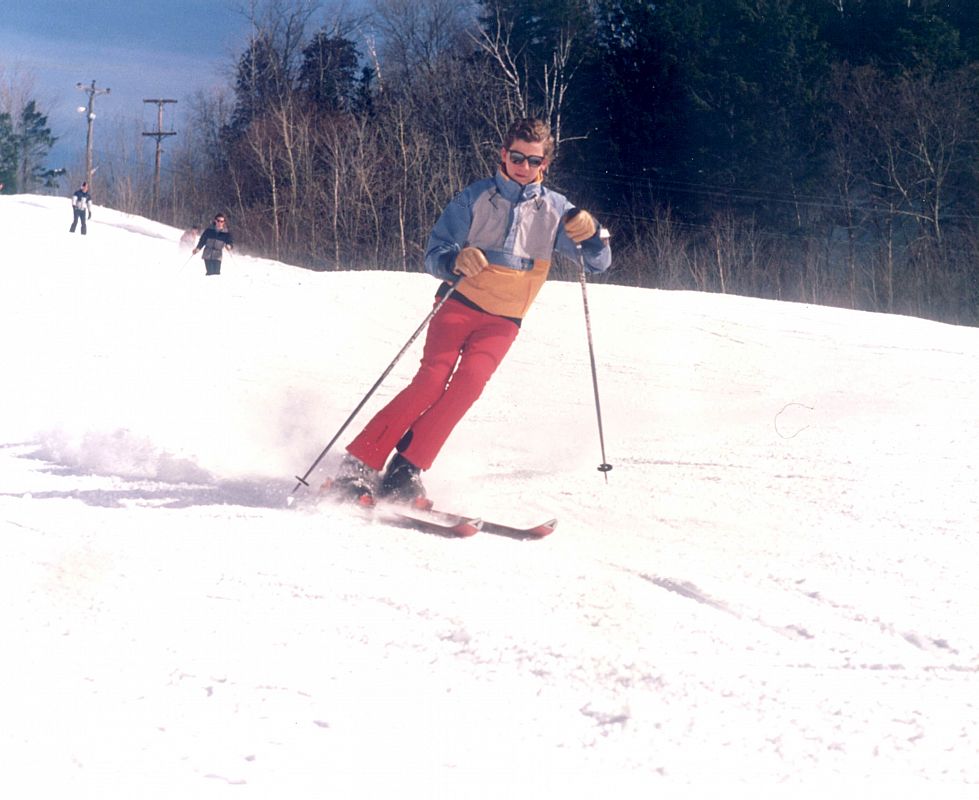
(732, 193)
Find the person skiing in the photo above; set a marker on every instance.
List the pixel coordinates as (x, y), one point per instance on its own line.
(81, 203)
(213, 241)
(493, 243)
(189, 237)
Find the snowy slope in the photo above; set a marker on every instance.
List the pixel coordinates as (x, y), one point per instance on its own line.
(776, 585)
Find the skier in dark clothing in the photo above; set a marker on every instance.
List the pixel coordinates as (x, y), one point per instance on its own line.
(213, 241)
(81, 202)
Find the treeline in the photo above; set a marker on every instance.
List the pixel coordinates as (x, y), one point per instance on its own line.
(816, 150)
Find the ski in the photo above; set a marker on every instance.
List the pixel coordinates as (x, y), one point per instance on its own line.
(422, 515)
(499, 529)
(448, 525)
(533, 532)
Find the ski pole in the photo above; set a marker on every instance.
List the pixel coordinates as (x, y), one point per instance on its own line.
(185, 263)
(302, 480)
(604, 466)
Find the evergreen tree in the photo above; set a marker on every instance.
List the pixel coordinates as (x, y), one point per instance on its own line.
(897, 36)
(640, 102)
(747, 74)
(34, 141)
(8, 153)
(328, 74)
(712, 103)
(261, 83)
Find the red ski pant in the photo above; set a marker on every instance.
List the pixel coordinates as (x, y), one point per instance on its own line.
(462, 350)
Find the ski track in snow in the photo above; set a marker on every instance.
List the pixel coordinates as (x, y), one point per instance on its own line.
(774, 588)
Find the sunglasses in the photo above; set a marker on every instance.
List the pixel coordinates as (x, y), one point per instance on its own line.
(516, 157)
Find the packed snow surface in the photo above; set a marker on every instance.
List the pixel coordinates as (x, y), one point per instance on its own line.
(776, 584)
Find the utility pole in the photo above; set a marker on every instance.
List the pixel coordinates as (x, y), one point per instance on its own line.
(92, 92)
(159, 134)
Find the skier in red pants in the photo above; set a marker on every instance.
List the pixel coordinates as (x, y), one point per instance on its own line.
(494, 242)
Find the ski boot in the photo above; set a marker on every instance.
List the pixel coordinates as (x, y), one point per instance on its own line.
(402, 483)
(354, 481)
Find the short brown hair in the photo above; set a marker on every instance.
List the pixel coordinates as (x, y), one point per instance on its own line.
(530, 129)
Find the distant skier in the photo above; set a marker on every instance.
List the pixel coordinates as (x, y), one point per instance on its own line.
(81, 203)
(189, 237)
(495, 242)
(213, 242)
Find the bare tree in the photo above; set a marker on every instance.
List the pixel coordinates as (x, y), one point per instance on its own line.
(526, 94)
(906, 170)
(418, 34)
(495, 44)
(16, 89)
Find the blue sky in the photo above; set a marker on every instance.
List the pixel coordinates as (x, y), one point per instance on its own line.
(136, 48)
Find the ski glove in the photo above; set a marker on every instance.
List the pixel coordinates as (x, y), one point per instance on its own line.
(89, 213)
(470, 262)
(580, 225)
